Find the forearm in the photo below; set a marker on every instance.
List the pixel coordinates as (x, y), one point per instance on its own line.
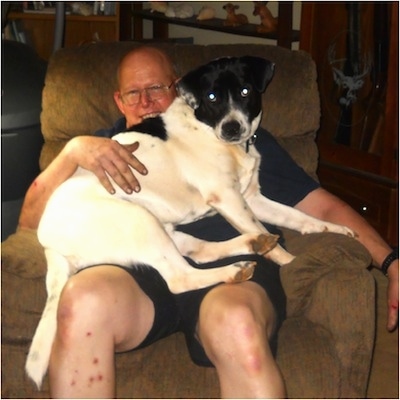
(323, 205)
(102, 156)
(42, 188)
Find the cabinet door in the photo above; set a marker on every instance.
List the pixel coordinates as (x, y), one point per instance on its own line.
(38, 29)
(355, 46)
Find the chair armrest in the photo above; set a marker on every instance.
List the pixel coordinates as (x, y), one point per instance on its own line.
(328, 283)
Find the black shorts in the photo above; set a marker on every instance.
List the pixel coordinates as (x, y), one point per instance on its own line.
(175, 313)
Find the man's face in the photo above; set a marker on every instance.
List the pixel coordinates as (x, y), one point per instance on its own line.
(137, 74)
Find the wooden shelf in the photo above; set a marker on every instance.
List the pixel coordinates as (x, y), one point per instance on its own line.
(79, 29)
(215, 24)
(284, 35)
(68, 17)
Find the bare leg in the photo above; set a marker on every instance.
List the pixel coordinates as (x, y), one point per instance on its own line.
(102, 310)
(235, 322)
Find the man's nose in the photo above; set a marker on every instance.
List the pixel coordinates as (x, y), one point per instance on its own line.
(144, 98)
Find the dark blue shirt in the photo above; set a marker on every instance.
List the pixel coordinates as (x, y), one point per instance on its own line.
(281, 180)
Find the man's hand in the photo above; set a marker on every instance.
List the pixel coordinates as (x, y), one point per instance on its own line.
(102, 156)
(393, 296)
(107, 158)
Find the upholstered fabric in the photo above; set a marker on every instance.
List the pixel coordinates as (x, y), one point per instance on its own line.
(325, 345)
(79, 87)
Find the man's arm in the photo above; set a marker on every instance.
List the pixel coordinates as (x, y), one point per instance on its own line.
(102, 156)
(323, 205)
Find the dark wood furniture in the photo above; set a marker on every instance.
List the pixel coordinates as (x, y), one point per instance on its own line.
(39, 29)
(284, 35)
(127, 24)
(355, 47)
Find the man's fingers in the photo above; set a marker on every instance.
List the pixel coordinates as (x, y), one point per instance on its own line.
(393, 316)
(132, 160)
(393, 303)
(123, 175)
(103, 178)
(131, 147)
(125, 179)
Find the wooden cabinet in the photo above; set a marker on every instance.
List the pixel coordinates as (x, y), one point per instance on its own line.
(355, 47)
(39, 29)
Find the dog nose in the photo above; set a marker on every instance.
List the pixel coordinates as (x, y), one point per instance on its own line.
(231, 130)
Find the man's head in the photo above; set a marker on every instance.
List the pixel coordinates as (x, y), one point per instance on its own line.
(146, 84)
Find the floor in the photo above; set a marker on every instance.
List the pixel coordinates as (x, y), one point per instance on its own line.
(384, 378)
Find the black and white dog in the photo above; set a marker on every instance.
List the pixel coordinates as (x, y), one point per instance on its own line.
(198, 164)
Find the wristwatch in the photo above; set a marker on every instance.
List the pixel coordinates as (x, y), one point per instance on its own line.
(394, 255)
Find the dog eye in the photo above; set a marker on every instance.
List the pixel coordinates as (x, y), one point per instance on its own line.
(245, 92)
(212, 97)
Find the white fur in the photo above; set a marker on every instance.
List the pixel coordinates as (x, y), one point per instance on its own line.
(179, 11)
(192, 174)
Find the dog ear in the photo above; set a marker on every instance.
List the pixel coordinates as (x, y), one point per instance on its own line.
(261, 70)
(189, 89)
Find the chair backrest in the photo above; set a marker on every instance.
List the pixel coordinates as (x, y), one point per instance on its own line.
(80, 82)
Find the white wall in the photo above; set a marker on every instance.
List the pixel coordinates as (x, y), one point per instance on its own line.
(202, 36)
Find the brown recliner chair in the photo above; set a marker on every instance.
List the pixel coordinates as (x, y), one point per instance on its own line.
(325, 344)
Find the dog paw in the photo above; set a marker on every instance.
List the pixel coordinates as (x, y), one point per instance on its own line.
(343, 230)
(246, 270)
(327, 227)
(264, 243)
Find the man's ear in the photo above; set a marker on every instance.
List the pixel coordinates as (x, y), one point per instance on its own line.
(261, 70)
(119, 102)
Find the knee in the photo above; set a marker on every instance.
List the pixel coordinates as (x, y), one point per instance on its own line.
(237, 333)
(82, 303)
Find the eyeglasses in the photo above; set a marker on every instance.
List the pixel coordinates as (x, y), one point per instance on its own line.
(153, 93)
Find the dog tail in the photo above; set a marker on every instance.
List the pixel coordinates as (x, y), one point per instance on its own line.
(58, 272)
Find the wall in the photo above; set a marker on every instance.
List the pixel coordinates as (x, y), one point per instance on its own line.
(201, 36)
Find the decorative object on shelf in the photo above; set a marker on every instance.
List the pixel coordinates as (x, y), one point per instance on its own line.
(205, 13)
(285, 36)
(81, 8)
(172, 11)
(268, 22)
(179, 11)
(158, 6)
(233, 19)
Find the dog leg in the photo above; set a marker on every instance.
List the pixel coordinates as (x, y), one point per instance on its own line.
(246, 218)
(189, 278)
(203, 251)
(281, 215)
(180, 276)
(129, 236)
(133, 248)
(280, 256)
(58, 272)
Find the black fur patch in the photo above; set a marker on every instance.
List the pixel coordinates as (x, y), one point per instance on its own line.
(151, 126)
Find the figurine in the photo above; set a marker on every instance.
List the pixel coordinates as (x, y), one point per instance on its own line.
(81, 8)
(268, 22)
(158, 6)
(179, 11)
(206, 13)
(233, 19)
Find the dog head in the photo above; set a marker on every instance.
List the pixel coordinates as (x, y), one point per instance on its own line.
(226, 95)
